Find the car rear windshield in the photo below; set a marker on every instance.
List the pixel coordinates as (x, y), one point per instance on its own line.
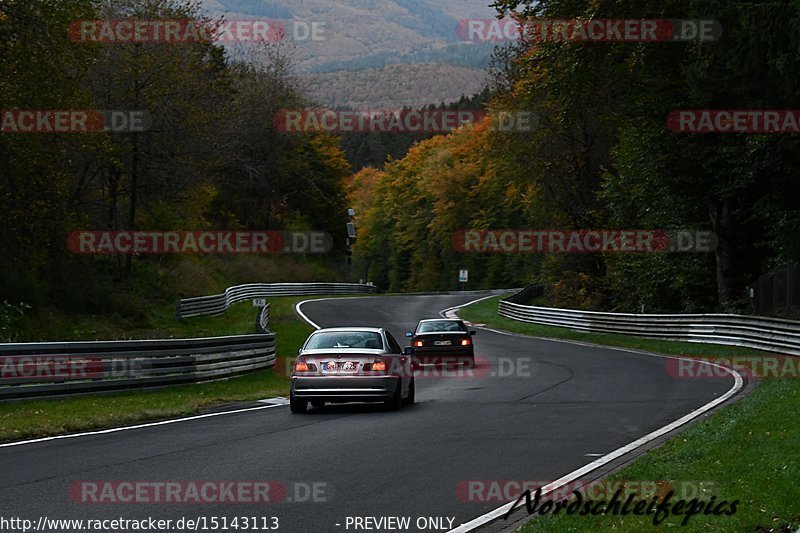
(345, 339)
(441, 325)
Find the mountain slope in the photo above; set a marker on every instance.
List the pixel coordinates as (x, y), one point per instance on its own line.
(355, 29)
(378, 53)
(394, 86)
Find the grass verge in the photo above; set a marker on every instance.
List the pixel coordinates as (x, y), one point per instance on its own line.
(747, 451)
(39, 418)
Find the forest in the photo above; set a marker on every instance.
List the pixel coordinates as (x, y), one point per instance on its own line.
(604, 156)
(209, 159)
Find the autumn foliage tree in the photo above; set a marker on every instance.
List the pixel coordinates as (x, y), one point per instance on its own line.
(210, 156)
(603, 157)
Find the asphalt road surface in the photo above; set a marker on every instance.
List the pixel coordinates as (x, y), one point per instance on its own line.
(532, 410)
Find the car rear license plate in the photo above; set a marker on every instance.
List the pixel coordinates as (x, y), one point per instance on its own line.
(348, 366)
(442, 343)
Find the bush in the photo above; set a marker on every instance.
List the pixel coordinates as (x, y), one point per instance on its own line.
(10, 316)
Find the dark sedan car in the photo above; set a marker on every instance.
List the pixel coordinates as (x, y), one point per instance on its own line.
(442, 341)
(351, 365)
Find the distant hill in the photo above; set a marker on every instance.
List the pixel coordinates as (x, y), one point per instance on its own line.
(369, 35)
(394, 86)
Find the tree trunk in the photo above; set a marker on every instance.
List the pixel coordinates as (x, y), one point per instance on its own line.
(723, 224)
(113, 197)
(133, 199)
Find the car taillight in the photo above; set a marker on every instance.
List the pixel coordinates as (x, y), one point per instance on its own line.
(465, 342)
(379, 366)
(417, 344)
(301, 366)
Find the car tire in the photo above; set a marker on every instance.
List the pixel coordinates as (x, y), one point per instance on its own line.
(297, 406)
(409, 400)
(397, 400)
(469, 363)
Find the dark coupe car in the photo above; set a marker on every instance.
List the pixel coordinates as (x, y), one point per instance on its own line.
(442, 341)
(351, 365)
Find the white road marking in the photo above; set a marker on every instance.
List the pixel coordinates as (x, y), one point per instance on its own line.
(313, 324)
(273, 402)
(594, 465)
(139, 426)
(278, 400)
(299, 311)
(500, 511)
(450, 312)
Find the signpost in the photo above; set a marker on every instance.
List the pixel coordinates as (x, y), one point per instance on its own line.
(351, 236)
(463, 277)
(260, 303)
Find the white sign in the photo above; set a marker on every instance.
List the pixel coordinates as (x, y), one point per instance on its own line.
(463, 276)
(259, 302)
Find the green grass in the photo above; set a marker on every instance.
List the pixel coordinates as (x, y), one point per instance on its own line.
(159, 322)
(748, 451)
(96, 304)
(38, 418)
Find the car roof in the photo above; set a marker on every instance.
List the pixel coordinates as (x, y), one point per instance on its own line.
(354, 328)
(345, 350)
(441, 320)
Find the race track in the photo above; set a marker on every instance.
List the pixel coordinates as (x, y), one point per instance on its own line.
(532, 410)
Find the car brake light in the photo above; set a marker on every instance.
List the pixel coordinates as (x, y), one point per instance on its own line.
(301, 366)
(464, 342)
(417, 344)
(379, 366)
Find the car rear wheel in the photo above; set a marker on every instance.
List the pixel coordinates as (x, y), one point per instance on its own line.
(397, 400)
(297, 406)
(411, 394)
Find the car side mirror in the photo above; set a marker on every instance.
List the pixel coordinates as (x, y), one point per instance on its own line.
(409, 334)
(299, 351)
(473, 332)
(408, 350)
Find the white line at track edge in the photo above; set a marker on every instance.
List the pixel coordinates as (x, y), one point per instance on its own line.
(594, 465)
(138, 426)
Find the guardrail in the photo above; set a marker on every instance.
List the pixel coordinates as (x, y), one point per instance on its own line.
(219, 303)
(524, 295)
(263, 320)
(57, 369)
(768, 334)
